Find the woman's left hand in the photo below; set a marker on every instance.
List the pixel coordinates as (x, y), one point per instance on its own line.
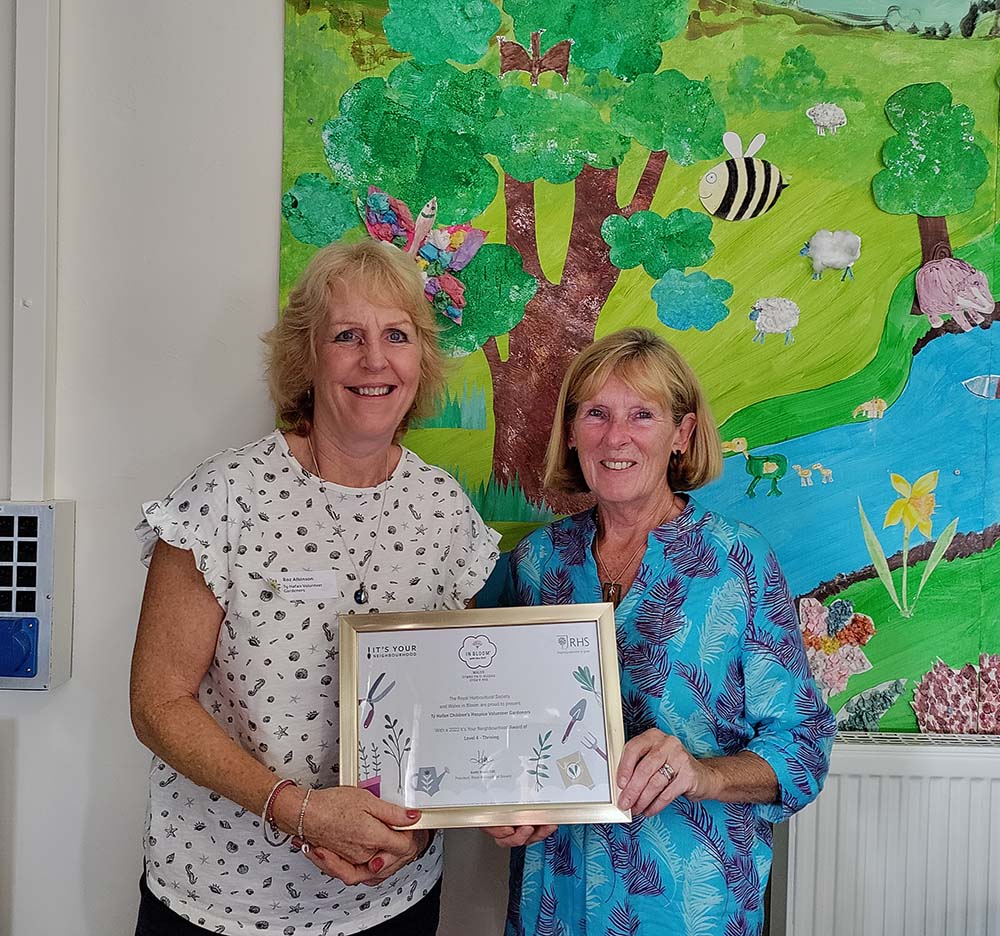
(646, 788)
(381, 867)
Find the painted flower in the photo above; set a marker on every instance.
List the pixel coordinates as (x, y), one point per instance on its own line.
(812, 617)
(858, 631)
(945, 699)
(839, 615)
(853, 659)
(915, 504)
(989, 693)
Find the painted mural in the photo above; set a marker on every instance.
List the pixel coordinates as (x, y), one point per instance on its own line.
(800, 196)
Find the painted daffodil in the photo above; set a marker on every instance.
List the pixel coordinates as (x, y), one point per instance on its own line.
(915, 504)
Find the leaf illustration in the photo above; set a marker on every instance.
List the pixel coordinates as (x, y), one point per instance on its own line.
(741, 563)
(557, 587)
(878, 557)
(570, 543)
(778, 602)
(548, 916)
(643, 877)
(661, 615)
(559, 856)
(623, 920)
(937, 553)
(648, 665)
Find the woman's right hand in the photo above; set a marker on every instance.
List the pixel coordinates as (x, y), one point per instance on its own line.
(514, 836)
(346, 827)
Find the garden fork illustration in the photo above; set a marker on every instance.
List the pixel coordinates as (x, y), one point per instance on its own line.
(374, 696)
(589, 741)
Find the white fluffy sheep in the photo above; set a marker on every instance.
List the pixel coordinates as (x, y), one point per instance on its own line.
(832, 250)
(827, 116)
(774, 316)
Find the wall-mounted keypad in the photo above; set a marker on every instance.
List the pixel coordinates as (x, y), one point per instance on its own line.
(18, 564)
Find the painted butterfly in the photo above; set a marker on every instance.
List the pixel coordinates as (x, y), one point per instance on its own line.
(439, 251)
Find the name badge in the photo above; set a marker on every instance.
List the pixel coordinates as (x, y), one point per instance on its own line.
(306, 586)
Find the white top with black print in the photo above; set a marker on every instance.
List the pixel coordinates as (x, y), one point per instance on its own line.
(250, 516)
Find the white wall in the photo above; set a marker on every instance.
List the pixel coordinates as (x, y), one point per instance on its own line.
(7, 725)
(170, 150)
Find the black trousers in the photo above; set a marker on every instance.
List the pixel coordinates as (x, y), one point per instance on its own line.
(156, 919)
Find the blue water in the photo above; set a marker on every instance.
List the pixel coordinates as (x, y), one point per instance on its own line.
(923, 12)
(935, 424)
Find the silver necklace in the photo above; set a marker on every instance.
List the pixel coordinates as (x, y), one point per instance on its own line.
(361, 593)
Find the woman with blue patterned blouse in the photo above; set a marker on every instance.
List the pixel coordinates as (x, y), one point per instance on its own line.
(726, 732)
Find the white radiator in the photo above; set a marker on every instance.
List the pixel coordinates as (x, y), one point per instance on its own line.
(903, 841)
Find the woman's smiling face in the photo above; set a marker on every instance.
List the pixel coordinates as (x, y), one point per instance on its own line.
(368, 370)
(624, 443)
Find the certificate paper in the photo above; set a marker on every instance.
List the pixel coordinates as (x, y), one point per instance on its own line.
(464, 714)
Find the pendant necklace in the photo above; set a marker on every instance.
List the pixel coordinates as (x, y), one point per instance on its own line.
(611, 589)
(361, 595)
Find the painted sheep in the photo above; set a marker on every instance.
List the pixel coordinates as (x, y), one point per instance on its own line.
(950, 286)
(832, 250)
(774, 316)
(827, 117)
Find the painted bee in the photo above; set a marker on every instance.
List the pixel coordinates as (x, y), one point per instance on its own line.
(741, 187)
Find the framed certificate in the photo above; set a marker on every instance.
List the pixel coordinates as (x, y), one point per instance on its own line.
(484, 717)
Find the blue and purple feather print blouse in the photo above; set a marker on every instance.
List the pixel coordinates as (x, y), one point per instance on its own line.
(709, 651)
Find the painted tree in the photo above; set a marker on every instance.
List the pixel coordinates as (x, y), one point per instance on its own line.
(427, 130)
(933, 164)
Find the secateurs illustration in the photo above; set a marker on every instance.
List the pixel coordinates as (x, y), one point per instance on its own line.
(374, 696)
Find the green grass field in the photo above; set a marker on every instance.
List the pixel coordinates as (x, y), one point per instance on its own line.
(960, 612)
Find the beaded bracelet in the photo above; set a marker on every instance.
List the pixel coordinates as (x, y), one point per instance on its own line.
(267, 819)
(302, 814)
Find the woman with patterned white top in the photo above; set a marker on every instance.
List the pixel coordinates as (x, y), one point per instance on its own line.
(235, 670)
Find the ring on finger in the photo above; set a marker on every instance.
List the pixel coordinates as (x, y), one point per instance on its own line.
(667, 771)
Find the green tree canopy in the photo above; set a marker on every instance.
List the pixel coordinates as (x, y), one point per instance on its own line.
(622, 36)
(318, 210)
(433, 31)
(933, 165)
(671, 112)
(692, 301)
(496, 291)
(676, 242)
(416, 135)
(549, 135)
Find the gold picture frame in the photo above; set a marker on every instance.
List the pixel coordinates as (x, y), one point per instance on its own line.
(445, 703)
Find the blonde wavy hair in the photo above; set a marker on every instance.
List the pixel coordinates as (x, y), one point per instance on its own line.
(653, 369)
(380, 273)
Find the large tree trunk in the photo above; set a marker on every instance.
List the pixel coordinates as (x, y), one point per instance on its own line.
(935, 244)
(558, 322)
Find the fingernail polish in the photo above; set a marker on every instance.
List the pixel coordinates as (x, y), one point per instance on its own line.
(412, 814)
(376, 864)
(306, 848)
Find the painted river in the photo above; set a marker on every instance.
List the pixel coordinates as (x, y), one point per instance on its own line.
(935, 424)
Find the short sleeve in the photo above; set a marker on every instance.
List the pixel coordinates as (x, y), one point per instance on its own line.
(473, 552)
(793, 727)
(193, 516)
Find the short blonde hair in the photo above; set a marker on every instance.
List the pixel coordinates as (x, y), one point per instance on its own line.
(654, 370)
(382, 274)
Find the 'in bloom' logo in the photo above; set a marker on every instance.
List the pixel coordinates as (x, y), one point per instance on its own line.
(477, 652)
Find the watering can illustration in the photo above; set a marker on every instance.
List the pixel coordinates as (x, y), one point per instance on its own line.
(427, 780)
